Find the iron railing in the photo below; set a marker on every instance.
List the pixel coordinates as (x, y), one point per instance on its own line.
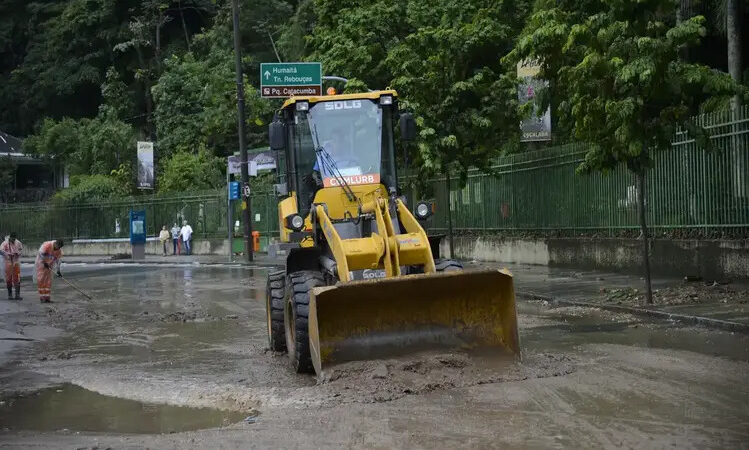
(206, 212)
(688, 190)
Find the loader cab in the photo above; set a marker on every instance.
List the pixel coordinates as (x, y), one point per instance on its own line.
(328, 140)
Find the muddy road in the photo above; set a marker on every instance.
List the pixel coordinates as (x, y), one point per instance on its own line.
(175, 357)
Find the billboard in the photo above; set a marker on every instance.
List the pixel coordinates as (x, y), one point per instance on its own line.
(257, 162)
(145, 165)
(537, 127)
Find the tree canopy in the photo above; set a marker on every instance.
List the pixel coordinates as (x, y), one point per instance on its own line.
(83, 80)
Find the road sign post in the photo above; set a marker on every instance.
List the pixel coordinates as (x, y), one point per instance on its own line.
(282, 80)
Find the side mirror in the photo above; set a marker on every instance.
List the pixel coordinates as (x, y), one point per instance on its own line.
(276, 135)
(408, 127)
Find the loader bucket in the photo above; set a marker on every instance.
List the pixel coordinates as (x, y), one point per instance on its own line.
(388, 317)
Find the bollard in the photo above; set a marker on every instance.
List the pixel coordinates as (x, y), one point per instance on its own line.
(256, 241)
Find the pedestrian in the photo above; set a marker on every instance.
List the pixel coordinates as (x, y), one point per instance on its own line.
(11, 249)
(186, 233)
(164, 238)
(175, 238)
(48, 259)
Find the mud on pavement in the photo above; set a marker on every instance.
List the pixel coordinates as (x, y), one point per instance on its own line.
(196, 337)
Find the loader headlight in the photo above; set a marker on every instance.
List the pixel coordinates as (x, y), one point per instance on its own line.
(295, 222)
(423, 210)
(386, 100)
(302, 106)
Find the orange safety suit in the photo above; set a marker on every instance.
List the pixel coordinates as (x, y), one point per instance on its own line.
(50, 256)
(12, 253)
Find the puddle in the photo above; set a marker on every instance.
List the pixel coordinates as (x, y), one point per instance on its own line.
(581, 326)
(76, 409)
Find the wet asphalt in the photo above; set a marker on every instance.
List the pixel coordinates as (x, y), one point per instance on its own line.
(177, 356)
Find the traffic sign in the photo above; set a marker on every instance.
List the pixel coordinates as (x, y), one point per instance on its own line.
(281, 80)
(234, 190)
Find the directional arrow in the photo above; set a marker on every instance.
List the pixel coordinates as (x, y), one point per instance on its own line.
(267, 74)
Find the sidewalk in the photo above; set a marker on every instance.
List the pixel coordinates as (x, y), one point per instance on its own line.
(677, 300)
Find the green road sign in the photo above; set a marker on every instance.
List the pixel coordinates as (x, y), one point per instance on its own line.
(288, 79)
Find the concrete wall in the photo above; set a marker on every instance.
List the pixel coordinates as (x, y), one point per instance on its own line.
(710, 259)
(153, 247)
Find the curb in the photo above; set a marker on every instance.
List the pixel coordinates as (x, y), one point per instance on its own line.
(725, 325)
(170, 263)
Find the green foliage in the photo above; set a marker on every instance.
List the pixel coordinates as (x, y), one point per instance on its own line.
(352, 38)
(90, 188)
(293, 40)
(68, 45)
(185, 172)
(449, 74)
(196, 103)
(86, 146)
(443, 57)
(355, 86)
(616, 69)
(117, 99)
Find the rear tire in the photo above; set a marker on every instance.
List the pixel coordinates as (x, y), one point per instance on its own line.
(274, 304)
(296, 315)
(447, 265)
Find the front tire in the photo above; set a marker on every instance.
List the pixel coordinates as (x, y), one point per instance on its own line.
(296, 315)
(274, 305)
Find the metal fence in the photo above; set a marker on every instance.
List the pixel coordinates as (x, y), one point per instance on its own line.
(688, 189)
(206, 213)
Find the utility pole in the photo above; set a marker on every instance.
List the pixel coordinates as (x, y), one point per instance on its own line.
(246, 204)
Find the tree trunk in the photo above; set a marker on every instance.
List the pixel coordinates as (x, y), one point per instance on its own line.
(184, 26)
(449, 212)
(681, 14)
(733, 32)
(146, 94)
(644, 231)
(157, 48)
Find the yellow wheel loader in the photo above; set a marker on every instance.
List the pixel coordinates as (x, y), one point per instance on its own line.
(362, 278)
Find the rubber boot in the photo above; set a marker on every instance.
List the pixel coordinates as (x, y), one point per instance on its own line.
(18, 293)
(10, 293)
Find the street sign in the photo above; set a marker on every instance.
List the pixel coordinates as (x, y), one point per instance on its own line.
(281, 80)
(234, 190)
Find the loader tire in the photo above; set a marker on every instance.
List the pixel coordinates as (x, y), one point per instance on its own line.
(447, 265)
(274, 304)
(296, 314)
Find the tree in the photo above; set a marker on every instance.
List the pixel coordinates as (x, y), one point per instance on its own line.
(195, 101)
(90, 188)
(293, 41)
(449, 73)
(352, 38)
(616, 66)
(7, 177)
(85, 146)
(184, 172)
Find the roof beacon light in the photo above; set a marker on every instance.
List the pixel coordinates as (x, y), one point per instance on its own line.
(331, 91)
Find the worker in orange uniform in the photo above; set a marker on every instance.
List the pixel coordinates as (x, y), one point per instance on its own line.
(11, 248)
(48, 259)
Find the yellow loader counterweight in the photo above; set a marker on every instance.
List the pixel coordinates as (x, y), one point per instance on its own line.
(362, 278)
